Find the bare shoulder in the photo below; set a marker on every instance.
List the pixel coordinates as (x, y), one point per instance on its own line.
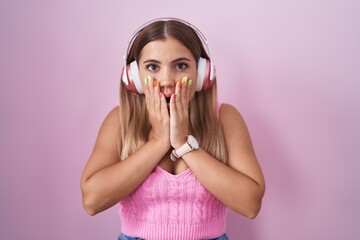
(241, 153)
(236, 136)
(229, 116)
(113, 117)
(105, 150)
(109, 130)
(107, 140)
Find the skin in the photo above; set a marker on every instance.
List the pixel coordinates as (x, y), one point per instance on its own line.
(168, 62)
(107, 179)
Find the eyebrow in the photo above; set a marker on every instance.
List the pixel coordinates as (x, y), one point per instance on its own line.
(173, 61)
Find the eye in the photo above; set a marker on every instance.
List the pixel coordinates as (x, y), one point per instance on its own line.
(152, 67)
(181, 66)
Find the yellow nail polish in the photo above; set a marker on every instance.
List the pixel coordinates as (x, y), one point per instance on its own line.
(185, 79)
(150, 79)
(146, 80)
(190, 82)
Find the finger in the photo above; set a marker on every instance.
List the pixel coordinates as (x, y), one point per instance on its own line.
(178, 96)
(184, 92)
(190, 86)
(190, 91)
(152, 95)
(163, 106)
(150, 85)
(173, 110)
(146, 86)
(146, 91)
(156, 95)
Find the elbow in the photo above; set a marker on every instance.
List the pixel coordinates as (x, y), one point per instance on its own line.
(255, 207)
(253, 212)
(94, 203)
(89, 207)
(255, 203)
(251, 208)
(89, 201)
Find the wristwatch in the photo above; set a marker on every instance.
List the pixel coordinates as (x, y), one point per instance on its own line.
(191, 144)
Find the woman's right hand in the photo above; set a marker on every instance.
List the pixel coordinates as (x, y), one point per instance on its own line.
(157, 109)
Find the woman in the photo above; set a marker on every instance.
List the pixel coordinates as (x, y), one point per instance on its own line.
(169, 153)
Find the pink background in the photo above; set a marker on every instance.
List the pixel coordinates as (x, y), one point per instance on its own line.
(291, 67)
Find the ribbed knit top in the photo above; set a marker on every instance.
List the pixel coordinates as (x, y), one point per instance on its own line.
(176, 207)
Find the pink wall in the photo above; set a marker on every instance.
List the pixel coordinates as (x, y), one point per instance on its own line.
(291, 67)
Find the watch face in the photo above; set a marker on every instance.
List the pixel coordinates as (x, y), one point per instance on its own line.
(192, 141)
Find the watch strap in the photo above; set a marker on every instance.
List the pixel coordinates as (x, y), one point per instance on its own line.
(179, 152)
(184, 149)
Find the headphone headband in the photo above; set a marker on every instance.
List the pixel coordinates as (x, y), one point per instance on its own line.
(138, 31)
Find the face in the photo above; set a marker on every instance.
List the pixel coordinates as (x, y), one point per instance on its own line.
(168, 61)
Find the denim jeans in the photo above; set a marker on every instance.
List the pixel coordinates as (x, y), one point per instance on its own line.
(124, 237)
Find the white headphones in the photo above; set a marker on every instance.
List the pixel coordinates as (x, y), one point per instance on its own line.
(205, 68)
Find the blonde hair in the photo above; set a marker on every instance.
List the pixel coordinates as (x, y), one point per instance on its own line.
(204, 120)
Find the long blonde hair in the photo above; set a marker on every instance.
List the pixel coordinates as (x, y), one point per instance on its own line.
(203, 110)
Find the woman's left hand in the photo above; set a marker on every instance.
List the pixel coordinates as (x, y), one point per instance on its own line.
(179, 112)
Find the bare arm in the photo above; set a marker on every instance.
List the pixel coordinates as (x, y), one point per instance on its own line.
(240, 185)
(106, 179)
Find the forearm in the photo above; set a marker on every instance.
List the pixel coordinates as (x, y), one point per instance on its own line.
(109, 185)
(236, 190)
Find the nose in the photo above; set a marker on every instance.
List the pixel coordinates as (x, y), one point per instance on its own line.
(167, 80)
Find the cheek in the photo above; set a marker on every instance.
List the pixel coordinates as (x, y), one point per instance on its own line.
(142, 74)
(193, 75)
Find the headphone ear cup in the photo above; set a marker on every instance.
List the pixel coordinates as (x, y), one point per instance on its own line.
(124, 77)
(135, 77)
(201, 68)
(131, 78)
(203, 76)
(212, 76)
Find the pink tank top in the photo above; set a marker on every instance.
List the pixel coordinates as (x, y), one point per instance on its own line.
(167, 206)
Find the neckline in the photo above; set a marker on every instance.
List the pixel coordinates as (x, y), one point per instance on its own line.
(166, 173)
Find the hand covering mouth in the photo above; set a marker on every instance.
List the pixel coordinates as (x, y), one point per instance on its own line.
(168, 97)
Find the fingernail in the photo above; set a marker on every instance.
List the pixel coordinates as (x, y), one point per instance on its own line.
(179, 84)
(190, 82)
(161, 94)
(185, 79)
(150, 79)
(155, 83)
(174, 95)
(146, 80)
